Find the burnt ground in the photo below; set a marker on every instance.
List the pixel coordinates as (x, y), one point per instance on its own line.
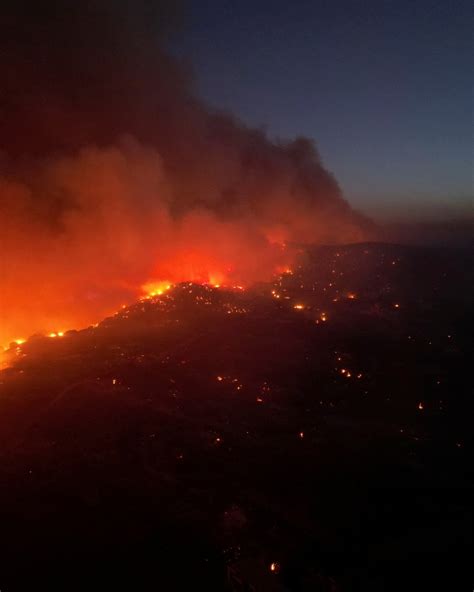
(209, 431)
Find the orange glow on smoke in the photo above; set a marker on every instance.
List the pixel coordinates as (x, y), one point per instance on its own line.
(70, 269)
(111, 191)
(74, 298)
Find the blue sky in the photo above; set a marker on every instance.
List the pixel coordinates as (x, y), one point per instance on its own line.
(384, 88)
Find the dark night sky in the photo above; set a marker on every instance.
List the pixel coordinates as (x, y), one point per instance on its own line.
(384, 87)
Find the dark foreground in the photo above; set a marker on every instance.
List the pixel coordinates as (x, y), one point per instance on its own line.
(209, 437)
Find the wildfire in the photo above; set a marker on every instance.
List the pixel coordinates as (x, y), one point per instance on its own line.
(149, 290)
(156, 288)
(58, 334)
(284, 270)
(216, 280)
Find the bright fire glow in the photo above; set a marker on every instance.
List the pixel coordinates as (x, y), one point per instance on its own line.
(156, 288)
(216, 280)
(57, 334)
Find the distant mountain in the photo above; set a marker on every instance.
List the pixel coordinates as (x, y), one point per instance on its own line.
(453, 232)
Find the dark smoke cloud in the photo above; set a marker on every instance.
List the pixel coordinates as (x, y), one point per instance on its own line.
(112, 173)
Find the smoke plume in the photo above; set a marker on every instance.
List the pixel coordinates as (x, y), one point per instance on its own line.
(113, 174)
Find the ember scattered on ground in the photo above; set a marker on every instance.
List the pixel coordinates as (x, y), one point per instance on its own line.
(314, 433)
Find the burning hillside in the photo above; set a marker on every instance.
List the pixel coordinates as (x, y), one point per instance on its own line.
(284, 433)
(208, 382)
(114, 175)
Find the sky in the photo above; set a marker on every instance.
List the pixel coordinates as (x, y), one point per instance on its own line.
(384, 88)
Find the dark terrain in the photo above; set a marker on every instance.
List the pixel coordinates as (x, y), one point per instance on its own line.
(209, 432)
